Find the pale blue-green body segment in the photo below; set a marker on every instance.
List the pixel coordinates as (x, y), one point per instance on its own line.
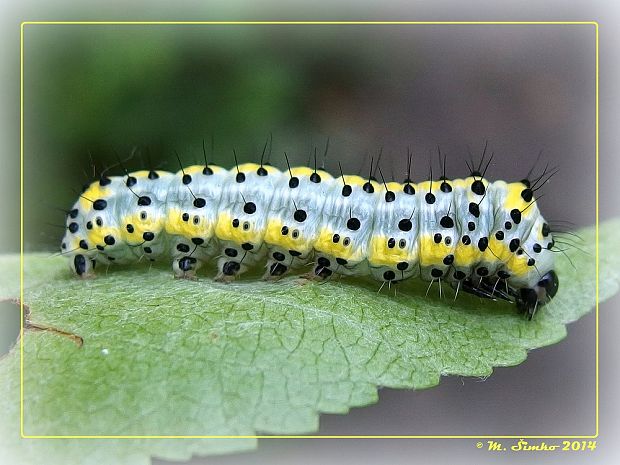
(295, 218)
(396, 229)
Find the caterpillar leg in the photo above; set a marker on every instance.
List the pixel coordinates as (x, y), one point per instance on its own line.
(394, 274)
(495, 288)
(486, 288)
(321, 270)
(275, 271)
(228, 270)
(83, 266)
(186, 267)
(188, 255)
(469, 286)
(328, 265)
(236, 260)
(280, 262)
(318, 273)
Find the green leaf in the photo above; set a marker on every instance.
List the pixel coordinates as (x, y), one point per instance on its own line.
(174, 357)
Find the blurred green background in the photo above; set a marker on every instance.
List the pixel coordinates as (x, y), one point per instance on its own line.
(104, 91)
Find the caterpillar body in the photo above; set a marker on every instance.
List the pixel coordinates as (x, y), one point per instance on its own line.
(485, 238)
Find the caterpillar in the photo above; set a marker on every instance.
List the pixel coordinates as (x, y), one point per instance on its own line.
(485, 238)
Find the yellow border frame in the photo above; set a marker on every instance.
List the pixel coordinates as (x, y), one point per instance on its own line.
(21, 270)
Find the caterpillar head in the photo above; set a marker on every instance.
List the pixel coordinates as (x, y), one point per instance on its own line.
(540, 282)
(528, 299)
